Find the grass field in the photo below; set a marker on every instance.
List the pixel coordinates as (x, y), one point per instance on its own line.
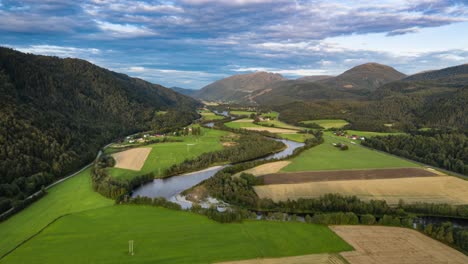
(166, 236)
(296, 137)
(443, 189)
(72, 195)
(164, 155)
(370, 133)
(208, 115)
(328, 123)
(247, 123)
(279, 124)
(271, 114)
(239, 113)
(390, 245)
(327, 157)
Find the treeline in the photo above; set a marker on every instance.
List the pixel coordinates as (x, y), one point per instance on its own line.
(111, 187)
(440, 148)
(230, 215)
(448, 234)
(248, 147)
(56, 114)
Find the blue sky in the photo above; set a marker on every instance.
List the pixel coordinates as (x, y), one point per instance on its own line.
(190, 43)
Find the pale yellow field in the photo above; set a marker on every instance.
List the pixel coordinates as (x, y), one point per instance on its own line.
(306, 259)
(443, 189)
(132, 159)
(394, 245)
(272, 130)
(272, 167)
(244, 120)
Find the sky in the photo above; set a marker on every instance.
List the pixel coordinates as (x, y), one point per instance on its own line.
(191, 43)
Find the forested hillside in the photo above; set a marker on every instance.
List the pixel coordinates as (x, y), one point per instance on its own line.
(56, 113)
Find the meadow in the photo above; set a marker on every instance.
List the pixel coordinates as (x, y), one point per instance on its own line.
(208, 115)
(271, 114)
(279, 124)
(327, 157)
(239, 113)
(72, 195)
(296, 137)
(167, 236)
(328, 123)
(164, 155)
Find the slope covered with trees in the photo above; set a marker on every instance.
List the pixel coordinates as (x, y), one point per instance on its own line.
(55, 114)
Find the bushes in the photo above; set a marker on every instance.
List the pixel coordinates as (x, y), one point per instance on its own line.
(339, 218)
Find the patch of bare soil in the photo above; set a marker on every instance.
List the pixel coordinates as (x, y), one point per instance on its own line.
(132, 159)
(394, 245)
(316, 176)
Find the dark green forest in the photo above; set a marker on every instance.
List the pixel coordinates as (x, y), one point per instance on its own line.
(55, 114)
(444, 149)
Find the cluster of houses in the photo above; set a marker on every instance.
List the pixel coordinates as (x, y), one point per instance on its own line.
(345, 134)
(144, 138)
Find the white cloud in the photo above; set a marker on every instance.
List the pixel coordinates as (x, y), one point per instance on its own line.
(124, 30)
(59, 51)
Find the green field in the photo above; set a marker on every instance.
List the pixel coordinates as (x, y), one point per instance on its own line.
(279, 124)
(328, 123)
(271, 114)
(164, 155)
(246, 122)
(327, 157)
(247, 113)
(166, 236)
(210, 116)
(296, 137)
(370, 133)
(72, 195)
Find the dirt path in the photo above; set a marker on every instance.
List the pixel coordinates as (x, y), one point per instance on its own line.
(394, 245)
(317, 176)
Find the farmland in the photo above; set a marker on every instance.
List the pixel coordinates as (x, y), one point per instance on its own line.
(163, 155)
(439, 189)
(328, 157)
(72, 195)
(385, 245)
(248, 124)
(296, 137)
(162, 235)
(328, 123)
(132, 159)
(279, 124)
(208, 115)
(239, 112)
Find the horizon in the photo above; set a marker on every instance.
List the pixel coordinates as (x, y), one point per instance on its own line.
(192, 43)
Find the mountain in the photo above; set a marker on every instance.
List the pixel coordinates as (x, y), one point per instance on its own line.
(356, 83)
(238, 87)
(367, 76)
(314, 78)
(456, 72)
(184, 91)
(55, 114)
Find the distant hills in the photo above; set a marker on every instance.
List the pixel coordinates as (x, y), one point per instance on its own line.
(55, 114)
(269, 88)
(184, 91)
(238, 87)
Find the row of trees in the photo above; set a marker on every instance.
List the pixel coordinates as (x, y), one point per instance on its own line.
(441, 148)
(248, 147)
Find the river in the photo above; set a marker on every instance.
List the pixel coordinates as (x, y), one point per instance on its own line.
(171, 187)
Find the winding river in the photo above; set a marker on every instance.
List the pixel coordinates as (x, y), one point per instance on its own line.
(170, 188)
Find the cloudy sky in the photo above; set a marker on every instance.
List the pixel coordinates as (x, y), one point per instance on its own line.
(190, 43)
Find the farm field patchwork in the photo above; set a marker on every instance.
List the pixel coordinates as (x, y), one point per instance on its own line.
(370, 133)
(162, 235)
(391, 245)
(267, 168)
(164, 155)
(439, 189)
(271, 114)
(328, 123)
(279, 124)
(72, 195)
(327, 157)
